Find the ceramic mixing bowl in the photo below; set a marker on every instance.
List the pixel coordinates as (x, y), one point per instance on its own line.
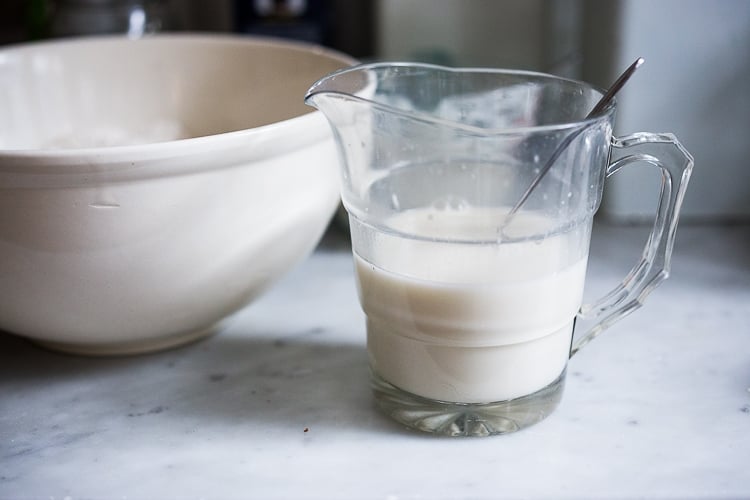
(150, 188)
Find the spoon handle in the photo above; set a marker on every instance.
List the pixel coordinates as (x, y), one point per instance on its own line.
(615, 88)
(606, 98)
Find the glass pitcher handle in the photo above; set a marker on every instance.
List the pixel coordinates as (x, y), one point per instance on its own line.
(676, 164)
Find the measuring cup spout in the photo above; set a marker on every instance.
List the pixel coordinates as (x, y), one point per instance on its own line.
(336, 95)
(402, 92)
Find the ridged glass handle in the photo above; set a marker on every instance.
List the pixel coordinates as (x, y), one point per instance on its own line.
(676, 164)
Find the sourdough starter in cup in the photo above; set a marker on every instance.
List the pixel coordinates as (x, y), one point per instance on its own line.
(471, 322)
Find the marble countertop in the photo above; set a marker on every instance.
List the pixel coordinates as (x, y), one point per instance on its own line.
(278, 405)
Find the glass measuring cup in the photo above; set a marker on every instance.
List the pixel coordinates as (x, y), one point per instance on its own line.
(470, 315)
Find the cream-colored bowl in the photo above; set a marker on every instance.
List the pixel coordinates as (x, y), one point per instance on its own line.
(150, 188)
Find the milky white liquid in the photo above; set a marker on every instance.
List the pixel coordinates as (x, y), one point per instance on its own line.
(472, 323)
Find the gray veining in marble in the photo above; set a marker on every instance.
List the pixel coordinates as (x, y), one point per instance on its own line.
(278, 406)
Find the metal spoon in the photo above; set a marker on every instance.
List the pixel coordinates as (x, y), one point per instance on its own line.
(598, 108)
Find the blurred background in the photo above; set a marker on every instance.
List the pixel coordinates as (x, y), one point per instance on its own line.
(695, 81)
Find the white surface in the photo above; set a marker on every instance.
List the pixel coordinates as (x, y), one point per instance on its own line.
(658, 407)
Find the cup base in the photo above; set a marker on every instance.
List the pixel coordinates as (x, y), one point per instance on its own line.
(466, 419)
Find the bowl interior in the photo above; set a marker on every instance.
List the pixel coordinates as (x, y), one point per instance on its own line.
(114, 92)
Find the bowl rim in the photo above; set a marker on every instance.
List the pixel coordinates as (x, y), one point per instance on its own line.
(172, 148)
